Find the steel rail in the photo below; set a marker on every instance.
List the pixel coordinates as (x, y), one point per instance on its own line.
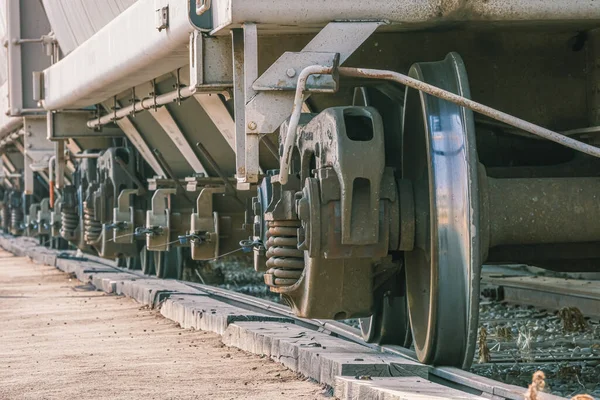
(547, 293)
(471, 105)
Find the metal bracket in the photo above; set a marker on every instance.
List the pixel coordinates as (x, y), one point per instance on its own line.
(283, 74)
(206, 221)
(202, 6)
(36, 148)
(159, 216)
(124, 213)
(211, 66)
(333, 133)
(73, 125)
(162, 18)
(31, 223)
(44, 217)
(268, 109)
(245, 66)
(56, 218)
(263, 112)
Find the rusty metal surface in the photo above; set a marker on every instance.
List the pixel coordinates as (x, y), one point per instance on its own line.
(545, 210)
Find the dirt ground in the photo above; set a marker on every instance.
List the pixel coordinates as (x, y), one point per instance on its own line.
(60, 339)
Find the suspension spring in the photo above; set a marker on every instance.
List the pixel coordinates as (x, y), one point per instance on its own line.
(92, 227)
(70, 220)
(285, 262)
(16, 219)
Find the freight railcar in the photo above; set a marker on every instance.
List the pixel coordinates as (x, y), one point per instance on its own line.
(371, 156)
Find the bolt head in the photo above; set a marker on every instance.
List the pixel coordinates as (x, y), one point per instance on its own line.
(291, 72)
(252, 125)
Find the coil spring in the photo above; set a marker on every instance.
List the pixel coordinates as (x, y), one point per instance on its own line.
(92, 227)
(284, 260)
(70, 220)
(16, 219)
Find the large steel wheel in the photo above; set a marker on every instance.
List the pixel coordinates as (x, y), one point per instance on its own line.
(443, 269)
(169, 264)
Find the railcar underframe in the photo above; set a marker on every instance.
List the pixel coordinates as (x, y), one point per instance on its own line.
(370, 155)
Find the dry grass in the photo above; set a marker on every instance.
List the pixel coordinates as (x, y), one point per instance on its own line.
(503, 332)
(538, 383)
(524, 344)
(572, 319)
(484, 351)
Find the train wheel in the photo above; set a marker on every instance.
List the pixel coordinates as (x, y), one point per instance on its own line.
(147, 262)
(120, 262)
(133, 263)
(389, 323)
(44, 240)
(442, 271)
(169, 264)
(60, 244)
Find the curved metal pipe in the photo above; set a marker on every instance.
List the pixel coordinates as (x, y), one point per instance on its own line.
(84, 155)
(146, 103)
(51, 177)
(290, 137)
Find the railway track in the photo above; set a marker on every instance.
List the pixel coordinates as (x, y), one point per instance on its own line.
(547, 292)
(534, 322)
(329, 352)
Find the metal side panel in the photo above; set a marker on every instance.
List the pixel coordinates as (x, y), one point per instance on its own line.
(75, 21)
(26, 21)
(13, 160)
(126, 52)
(156, 138)
(198, 127)
(3, 53)
(295, 16)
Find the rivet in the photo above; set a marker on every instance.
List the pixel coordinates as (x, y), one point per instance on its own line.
(252, 125)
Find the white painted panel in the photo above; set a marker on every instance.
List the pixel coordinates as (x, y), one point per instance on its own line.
(126, 52)
(3, 55)
(75, 21)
